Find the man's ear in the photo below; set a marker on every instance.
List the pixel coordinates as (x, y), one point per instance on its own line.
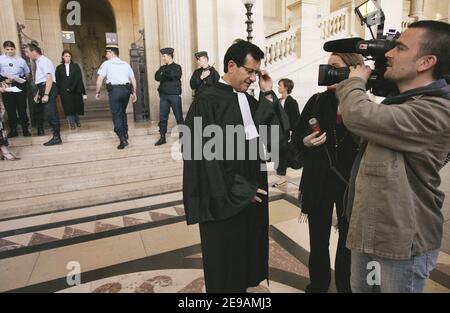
(426, 63)
(232, 66)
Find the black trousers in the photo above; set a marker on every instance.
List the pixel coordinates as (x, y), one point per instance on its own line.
(119, 97)
(48, 109)
(320, 223)
(16, 104)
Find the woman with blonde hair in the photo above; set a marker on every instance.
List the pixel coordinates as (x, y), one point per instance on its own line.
(328, 151)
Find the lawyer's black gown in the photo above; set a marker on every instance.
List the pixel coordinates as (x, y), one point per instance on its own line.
(218, 195)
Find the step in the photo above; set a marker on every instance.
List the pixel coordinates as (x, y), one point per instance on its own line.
(86, 145)
(61, 201)
(40, 161)
(81, 169)
(86, 212)
(63, 184)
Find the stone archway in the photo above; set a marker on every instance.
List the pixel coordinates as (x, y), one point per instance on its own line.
(97, 19)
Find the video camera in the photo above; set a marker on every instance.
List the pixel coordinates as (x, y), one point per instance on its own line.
(371, 14)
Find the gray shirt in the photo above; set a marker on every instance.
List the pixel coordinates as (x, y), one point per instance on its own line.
(44, 66)
(12, 67)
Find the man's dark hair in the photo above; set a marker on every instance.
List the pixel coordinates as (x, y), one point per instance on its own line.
(34, 47)
(288, 84)
(435, 42)
(238, 53)
(9, 44)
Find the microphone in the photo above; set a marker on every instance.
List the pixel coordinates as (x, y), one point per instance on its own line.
(350, 45)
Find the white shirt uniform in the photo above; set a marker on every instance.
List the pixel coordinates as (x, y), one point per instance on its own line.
(13, 67)
(44, 67)
(116, 72)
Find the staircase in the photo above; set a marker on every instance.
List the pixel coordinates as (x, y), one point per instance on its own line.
(87, 170)
(96, 109)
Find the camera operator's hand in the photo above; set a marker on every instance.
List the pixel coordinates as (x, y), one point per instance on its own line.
(314, 141)
(361, 71)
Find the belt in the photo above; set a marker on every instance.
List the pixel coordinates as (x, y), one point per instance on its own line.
(43, 84)
(122, 85)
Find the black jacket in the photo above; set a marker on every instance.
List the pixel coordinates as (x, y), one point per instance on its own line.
(170, 78)
(317, 169)
(197, 84)
(71, 89)
(292, 110)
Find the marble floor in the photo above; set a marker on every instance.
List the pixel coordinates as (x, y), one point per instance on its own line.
(145, 246)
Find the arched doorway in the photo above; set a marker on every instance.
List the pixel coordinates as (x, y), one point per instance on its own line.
(97, 19)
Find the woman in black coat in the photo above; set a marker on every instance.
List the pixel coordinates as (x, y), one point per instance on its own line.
(290, 106)
(71, 89)
(327, 157)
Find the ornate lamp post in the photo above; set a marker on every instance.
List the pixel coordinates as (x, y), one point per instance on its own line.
(249, 5)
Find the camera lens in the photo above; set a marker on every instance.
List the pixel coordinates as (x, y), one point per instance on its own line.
(329, 75)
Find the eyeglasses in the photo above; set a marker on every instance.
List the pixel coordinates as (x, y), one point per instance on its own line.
(252, 71)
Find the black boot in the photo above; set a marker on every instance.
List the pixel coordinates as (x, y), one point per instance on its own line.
(26, 132)
(161, 141)
(55, 141)
(123, 144)
(13, 133)
(41, 131)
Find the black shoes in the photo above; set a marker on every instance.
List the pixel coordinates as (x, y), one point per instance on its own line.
(161, 141)
(123, 144)
(41, 131)
(13, 133)
(55, 141)
(26, 133)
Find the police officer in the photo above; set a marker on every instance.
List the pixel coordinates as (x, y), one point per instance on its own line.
(205, 75)
(121, 84)
(14, 69)
(46, 95)
(169, 76)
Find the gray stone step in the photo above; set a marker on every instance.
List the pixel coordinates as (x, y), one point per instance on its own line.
(91, 197)
(70, 184)
(68, 171)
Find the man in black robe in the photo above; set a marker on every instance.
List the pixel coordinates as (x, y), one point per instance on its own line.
(228, 196)
(205, 75)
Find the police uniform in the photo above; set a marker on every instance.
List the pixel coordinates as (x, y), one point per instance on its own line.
(197, 83)
(44, 67)
(15, 103)
(169, 89)
(119, 75)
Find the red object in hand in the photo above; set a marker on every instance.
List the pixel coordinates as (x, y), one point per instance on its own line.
(314, 125)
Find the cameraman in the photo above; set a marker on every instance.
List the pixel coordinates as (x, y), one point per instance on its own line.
(396, 220)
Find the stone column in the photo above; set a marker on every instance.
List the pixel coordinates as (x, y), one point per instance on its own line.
(8, 23)
(49, 14)
(149, 10)
(417, 9)
(309, 32)
(175, 27)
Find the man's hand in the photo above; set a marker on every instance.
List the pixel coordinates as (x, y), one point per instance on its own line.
(314, 141)
(97, 96)
(265, 81)
(361, 71)
(44, 99)
(258, 199)
(134, 97)
(36, 98)
(205, 74)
